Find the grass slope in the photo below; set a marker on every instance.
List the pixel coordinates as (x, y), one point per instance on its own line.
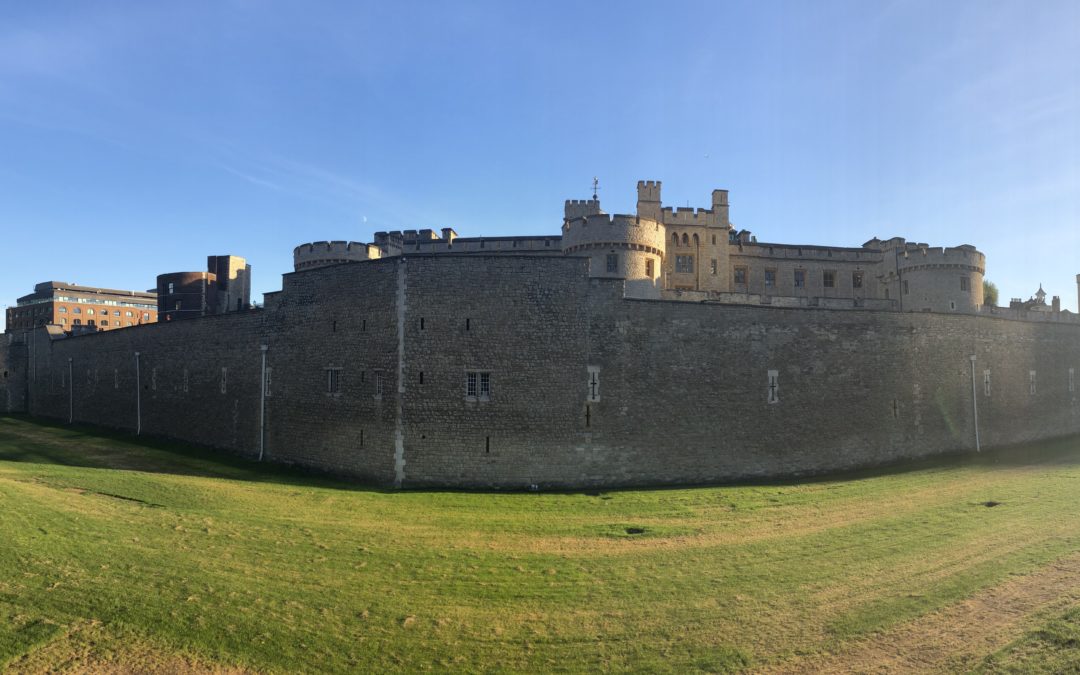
(113, 550)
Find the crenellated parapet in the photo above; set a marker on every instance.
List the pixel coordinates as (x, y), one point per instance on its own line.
(618, 231)
(323, 253)
(581, 208)
(691, 217)
(921, 256)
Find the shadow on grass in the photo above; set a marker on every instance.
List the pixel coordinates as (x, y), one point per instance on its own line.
(36, 440)
(42, 441)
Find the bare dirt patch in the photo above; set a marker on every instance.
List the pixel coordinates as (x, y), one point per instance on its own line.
(959, 636)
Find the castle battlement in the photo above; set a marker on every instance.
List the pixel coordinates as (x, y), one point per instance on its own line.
(920, 255)
(619, 231)
(322, 253)
(690, 217)
(579, 208)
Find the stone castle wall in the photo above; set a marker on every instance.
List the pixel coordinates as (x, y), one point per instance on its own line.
(586, 387)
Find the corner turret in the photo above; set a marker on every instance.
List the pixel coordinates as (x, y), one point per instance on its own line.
(648, 199)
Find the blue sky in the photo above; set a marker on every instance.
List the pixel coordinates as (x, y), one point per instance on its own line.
(136, 138)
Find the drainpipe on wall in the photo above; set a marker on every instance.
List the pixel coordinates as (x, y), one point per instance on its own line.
(975, 404)
(71, 391)
(138, 398)
(262, 404)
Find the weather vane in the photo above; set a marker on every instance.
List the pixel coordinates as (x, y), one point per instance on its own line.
(595, 187)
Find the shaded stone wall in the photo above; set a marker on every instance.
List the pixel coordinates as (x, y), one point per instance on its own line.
(584, 387)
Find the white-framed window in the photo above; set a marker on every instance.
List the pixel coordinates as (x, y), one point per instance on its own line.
(89, 310)
(773, 391)
(477, 385)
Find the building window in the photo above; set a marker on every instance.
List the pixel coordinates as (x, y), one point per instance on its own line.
(128, 314)
(172, 288)
(965, 284)
(856, 279)
(333, 380)
(649, 268)
(116, 313)
(800, 278)
(770, 278)
(76, 322)
(224, 379)
(77, 310)
(712, 267)
(828, 279)
(905, 287)
(104, 322)
(146, 316)
(740, 276)
(684, 264)
(63, 320)
(269, 380)
(685, 240)
(986, 381)
(773, 391)
(63, 310)
(89, 310)
(477, 385)
(612, 262)
(1031, 382)
(378, 384)
(674, 239)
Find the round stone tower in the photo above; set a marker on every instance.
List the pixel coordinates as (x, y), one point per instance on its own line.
(618, 247)
(323, 253)
(941, 279)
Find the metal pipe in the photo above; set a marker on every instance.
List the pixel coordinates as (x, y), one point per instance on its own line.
(975, 404)
(262, 405)
(138, 398)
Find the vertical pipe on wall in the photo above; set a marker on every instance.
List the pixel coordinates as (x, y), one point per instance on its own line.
(975, 404)
(71, 391)
(138, 398)
(262, 404)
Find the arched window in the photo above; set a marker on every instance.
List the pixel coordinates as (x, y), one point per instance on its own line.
(696, 240)
(675, 238)
(685, 240)
(714, 240)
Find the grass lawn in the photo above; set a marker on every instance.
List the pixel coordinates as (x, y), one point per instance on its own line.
(161, 557)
